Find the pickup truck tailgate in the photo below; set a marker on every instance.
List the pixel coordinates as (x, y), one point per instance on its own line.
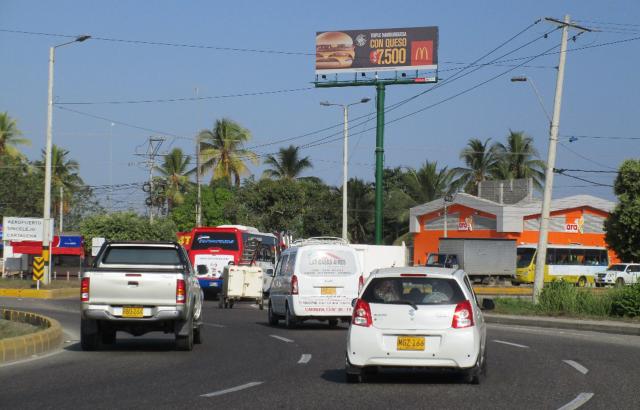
(140, 288)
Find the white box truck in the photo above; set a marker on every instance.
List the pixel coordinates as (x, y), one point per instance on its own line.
(372, 257)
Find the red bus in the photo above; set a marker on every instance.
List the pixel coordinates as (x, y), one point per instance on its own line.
(211, 249)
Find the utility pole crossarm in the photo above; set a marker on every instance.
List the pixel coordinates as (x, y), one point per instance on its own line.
(568, 24)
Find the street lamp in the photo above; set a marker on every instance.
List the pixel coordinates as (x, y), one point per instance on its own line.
(47, 165)
(535, 90)
(345, 159)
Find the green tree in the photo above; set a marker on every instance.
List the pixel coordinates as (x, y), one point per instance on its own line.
(10, 137)
(519, 159)
(222, 151)
(64, 173)
(360, 211)
(127, 226)
(287, 164)
(480, 161)
(428, 183)
(623, 225)
(21, 189)
(175, 176)
(215, 201)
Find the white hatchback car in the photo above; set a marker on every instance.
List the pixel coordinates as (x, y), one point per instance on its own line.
(417, 317)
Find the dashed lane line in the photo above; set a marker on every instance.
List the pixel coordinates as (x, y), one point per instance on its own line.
(581, 399)
(304, 359)
(284, 339)
(577, 366)
(511, 344)
(231, 390)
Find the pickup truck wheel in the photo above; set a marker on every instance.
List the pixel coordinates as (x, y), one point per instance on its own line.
(197, 335)
(185, 342)
(271, 317)
(88, 340)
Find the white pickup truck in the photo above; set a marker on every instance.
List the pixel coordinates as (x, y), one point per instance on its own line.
(140, 287)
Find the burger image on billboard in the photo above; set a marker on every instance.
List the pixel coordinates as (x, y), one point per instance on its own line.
(334, 49)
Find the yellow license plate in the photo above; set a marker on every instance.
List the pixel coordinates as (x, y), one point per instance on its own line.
(410, 343)
(327, 291)
(132, 311)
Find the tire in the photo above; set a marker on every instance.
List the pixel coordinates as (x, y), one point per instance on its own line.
(271, 317)
(582, 282)
(185, 342)
(474, 375)
(197, 335)
(88, 341)
(619, 282)
(333, 323)
(261, 304)
(108, 336)
(231, 302)
(289, 319)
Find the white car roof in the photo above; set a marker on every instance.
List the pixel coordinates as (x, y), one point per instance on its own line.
(427, 270)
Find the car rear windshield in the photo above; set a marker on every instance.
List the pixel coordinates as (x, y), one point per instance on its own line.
(411, 290)
(142, 255)
(215, 240)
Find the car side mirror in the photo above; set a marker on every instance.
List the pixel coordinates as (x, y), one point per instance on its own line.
(488, 304)
(270, 272)
(353, 302)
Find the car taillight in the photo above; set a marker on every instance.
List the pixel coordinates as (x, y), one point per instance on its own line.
(180, 292)
(294, 285)
(463, 315)
(84, 290)
(360, 283)
(361, 314)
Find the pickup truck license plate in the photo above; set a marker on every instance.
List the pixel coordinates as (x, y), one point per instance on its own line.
(132, 311)
(327, 291)
(410, 343)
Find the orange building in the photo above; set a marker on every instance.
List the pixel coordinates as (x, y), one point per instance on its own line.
(576, 219)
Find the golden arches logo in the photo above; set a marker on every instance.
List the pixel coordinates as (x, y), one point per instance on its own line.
(421, 54)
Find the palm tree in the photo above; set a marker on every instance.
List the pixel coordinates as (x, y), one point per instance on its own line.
(287, 164)
(175, 176)
(360, 212)
(518, 159)
(429, 183)
(64, 173)
(222, 151)
(480, 161)
(10, 136)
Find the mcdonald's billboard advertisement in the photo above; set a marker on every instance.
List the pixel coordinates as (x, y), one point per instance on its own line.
(394, 49)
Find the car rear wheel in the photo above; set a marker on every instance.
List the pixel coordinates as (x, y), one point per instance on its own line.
(197, 335)
(289, 319)
(185, 342)
(88, 339)
(271, 317)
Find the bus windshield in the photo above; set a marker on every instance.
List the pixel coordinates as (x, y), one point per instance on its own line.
(215, 240)
(524, 257)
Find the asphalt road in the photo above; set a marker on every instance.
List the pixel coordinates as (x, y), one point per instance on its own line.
(242, 365)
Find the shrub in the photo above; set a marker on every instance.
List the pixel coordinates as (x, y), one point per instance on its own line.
(626, 301)
(561, 297)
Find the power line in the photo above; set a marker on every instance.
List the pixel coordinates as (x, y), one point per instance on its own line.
(574, 137)
(561, 172)
(585, 157)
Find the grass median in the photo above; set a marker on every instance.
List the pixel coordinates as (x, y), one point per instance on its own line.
(30, 284)
(10, 328)
(564, 299)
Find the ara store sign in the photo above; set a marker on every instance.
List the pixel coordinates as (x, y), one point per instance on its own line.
(24, 229)
(370, 50)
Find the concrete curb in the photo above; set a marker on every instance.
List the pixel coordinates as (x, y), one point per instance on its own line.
(605, 326)
(23, 347)
(41, 294)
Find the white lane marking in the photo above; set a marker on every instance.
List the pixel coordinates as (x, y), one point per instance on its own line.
(511, 344)
(581, 399)
(284, 339)
(231, 390)
(254, 306)
(213, 324)
(304, 359)
(577, 366)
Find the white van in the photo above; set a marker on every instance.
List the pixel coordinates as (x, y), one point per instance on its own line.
(316, 278)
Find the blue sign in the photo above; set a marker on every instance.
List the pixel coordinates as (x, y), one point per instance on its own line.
(70, 242)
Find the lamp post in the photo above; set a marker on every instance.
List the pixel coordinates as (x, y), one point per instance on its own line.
(535, 90)
(47, 169)
(345, 158)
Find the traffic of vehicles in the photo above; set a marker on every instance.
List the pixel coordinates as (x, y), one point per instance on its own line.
(140, 287)
(400, 316)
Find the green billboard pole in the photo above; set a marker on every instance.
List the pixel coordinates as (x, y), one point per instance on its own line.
(380, 89)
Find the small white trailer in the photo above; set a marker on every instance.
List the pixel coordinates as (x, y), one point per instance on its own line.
(241, 283)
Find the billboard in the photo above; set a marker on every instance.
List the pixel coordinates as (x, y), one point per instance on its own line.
(24, 229)
(393, 49)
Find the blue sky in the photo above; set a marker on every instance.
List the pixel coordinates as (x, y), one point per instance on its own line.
(601, 83)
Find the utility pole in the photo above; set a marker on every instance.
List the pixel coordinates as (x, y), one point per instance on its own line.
(380, 90)
(541, 256)
(61, 209)
(199, 197)
(152, 152)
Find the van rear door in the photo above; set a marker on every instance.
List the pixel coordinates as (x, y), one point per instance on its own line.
(327, 280)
